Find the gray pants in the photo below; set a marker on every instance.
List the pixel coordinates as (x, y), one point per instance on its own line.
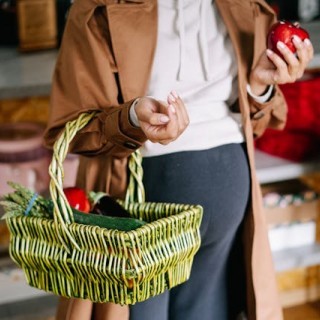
(218, 179)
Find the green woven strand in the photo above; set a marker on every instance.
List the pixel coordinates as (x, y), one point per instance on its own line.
(62, 211)
(135, 190)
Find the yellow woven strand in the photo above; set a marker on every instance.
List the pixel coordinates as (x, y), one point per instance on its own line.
(62, 211)
(135, 190)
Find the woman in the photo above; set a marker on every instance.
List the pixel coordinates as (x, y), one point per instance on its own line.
(197, 145)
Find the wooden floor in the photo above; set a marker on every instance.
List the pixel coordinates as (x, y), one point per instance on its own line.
(310, 311)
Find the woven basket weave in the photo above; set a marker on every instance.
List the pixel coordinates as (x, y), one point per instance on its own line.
(89, 262)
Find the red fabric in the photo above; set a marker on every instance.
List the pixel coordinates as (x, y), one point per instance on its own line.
(293, 146)
(300, 138)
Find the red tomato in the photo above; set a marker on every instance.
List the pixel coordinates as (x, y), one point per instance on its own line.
(77, 199)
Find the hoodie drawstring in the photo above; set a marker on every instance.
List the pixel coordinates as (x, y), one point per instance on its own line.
(202, 39)
(181, 30)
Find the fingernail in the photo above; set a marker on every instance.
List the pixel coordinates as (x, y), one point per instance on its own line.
(307, 42)
(269, 52)
(174, 93)
(172, 98)
(164, 119)
(280, 45)
(296, 39)
(172, 108)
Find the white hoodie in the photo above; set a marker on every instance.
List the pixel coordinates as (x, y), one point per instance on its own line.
(194, 56)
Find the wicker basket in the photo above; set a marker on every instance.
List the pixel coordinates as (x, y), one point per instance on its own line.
(89, 262)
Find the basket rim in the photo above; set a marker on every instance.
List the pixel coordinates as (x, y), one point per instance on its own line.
(188, 211)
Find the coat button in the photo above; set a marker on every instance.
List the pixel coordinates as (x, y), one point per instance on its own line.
(130, 145)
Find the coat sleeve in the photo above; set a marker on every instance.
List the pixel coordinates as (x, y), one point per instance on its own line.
(85, 80)
(272, 114)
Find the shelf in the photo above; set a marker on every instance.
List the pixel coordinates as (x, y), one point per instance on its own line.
(29, 74)
(273, 169)
(25, 74)
(299, 257)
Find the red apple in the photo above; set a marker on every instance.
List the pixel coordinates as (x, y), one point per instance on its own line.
(284, 31)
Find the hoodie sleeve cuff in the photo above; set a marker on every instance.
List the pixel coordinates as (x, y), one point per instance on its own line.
(132, 114)
(261, 99)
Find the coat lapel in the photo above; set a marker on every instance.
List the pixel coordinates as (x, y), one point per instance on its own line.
(236, 16)
(133, 29)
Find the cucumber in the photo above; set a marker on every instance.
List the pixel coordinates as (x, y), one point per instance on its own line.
(114, 223)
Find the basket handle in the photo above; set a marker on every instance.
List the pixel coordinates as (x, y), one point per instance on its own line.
(62, 212)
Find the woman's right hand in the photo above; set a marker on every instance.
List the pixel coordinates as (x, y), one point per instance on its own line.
(162, 122)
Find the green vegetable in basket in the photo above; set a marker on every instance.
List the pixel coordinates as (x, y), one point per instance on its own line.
(23, 202)
(122, 224)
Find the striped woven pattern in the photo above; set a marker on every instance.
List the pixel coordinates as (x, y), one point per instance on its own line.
(89, 262)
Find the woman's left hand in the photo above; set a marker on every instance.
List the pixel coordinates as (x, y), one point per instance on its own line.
(272, 69)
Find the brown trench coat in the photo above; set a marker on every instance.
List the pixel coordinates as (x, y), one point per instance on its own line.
(104, 63)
